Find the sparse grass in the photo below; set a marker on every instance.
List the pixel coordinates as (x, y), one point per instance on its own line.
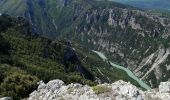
(70, 90)
(99, 89)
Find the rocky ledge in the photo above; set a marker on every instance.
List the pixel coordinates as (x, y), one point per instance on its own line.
(120, 90)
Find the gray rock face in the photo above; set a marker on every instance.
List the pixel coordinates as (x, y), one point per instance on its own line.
(6, 98)
(142, 57)
(164, 87)
(154, 61)
(120, 90)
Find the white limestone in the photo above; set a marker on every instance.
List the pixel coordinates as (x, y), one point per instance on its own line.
(164, 87)
(120, 90)
(6, 98)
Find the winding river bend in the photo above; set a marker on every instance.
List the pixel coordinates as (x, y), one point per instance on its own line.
(130, 73)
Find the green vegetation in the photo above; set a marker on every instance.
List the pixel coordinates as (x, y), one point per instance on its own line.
(148, 24)
(51, 17)
(40, 58)
(161, 13)
(15, 82)
(26, 58)
(99, 89)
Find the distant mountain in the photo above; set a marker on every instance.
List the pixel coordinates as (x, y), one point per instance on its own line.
(49, 17)
(147, 4)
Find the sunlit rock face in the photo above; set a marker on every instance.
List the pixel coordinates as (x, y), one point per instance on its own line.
(6, 98)
(120, 90)
(164, 87)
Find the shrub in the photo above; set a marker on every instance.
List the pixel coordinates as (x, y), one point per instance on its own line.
(99, 89)
(18, 85)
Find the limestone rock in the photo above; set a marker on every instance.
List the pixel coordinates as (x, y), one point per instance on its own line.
(6, 98)
(164, 87)
(120, 90)
(56, 90)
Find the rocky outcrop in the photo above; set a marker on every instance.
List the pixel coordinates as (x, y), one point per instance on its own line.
(154, 61)
(164, 87)
(120, 90)
(161, 57)
(6, 98)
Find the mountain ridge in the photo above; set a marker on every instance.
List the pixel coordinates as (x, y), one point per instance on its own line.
(145, 4)
(45, 19)
(129, 36)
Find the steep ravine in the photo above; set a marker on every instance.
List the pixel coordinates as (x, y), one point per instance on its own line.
(130, 36)
(140, 82)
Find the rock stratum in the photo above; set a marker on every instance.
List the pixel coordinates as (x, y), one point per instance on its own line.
(120, 90)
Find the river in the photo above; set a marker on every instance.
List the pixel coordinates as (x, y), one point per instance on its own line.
(130, 73)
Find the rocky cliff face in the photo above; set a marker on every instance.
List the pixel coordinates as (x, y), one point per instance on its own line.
(120, 90)
(26, 57)
(131, 37)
